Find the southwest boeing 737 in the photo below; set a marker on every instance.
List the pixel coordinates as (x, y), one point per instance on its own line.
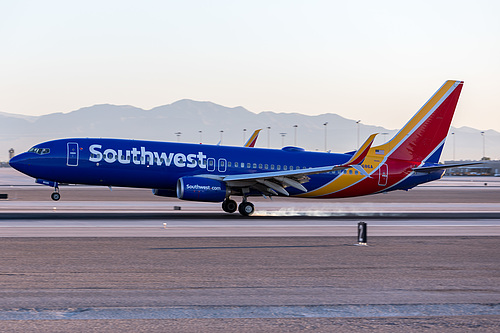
(217, 173)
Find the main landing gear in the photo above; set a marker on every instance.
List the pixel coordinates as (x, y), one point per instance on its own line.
(245, 208)
(229, 206)
(56, 196)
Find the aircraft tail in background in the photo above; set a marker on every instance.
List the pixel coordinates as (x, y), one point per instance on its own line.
(253, 139)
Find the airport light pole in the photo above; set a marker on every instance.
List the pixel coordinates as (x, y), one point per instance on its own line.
(282, 139)
(384, 135)
(268, 137)
(357, 123)
(295, 135)
(244, 135)
(178, 135)
(221, 132)
(201, 136)
(453, 136)
(484, 145)
(326, 125)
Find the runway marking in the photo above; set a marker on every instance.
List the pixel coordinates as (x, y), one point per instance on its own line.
(227, 312)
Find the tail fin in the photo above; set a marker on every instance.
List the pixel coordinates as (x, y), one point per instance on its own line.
(253, 139)
(422, 138)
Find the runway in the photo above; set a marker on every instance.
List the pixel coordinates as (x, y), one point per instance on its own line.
(127, 260)
(439, 284)
(189, 225)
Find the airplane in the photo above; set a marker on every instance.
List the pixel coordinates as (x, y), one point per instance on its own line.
(214, 173)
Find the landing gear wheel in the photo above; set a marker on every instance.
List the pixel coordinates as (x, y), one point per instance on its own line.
(229, 206)
(246, 208)
(55, 196)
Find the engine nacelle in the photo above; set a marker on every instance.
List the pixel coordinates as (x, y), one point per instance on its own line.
(201, 189)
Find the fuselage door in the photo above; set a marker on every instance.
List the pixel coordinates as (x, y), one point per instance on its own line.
(222, 165)
(211, 164)
(72, 157)
(383, 174)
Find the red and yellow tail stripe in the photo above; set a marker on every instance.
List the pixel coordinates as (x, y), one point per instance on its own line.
(427, 128)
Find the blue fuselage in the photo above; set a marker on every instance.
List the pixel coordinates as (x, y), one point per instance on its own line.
(159, 165)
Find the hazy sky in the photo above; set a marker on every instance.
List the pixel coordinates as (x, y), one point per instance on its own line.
(377, 61)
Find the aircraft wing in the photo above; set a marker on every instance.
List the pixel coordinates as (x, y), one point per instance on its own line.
(275, 182)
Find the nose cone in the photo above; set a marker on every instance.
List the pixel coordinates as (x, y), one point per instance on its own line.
(21, 163)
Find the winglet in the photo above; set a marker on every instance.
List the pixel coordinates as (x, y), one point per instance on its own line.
(253, 139)
(360, 155)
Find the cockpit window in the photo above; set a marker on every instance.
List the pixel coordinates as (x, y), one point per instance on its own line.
(39, 151)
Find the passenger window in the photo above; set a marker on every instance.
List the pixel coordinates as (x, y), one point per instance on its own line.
(266, 166)
(278, 167)
(272, 166)
(229, 164)
(235, 164)
(255, 165)
(350, 172)
(211, 162)
(285, 167)
(249, 165)
(260, 166)
(355, 172)
(291, 167)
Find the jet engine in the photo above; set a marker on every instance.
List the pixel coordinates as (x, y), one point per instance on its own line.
(201, 189)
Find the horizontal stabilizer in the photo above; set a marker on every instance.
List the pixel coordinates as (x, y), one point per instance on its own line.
(443, 166)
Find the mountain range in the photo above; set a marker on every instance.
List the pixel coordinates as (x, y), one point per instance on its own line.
(209, 123)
